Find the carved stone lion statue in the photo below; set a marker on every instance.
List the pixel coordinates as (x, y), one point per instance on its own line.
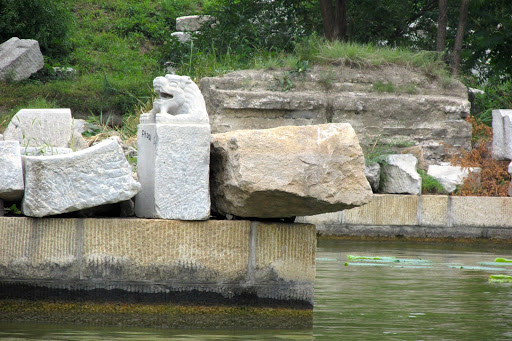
(179, 102)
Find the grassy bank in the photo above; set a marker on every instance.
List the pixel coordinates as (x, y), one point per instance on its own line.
(118, 47)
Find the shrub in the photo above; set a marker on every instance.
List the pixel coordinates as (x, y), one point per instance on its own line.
(47, 21)
(498, 95)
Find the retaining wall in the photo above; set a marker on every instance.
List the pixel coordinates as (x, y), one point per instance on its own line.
(424, 216)
(102, 270)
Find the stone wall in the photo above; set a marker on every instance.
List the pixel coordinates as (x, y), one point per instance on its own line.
(423, 216)
(164, 262)
(419, 109)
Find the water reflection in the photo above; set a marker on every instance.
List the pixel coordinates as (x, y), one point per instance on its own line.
(445, 296)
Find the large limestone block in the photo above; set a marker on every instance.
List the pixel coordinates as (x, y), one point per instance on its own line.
(70, 182)
(399, 175)
(451, 176)
(288, 171)
(51, 128)
(502, 134)
(11, 172)
(173, 169)
(19, 59)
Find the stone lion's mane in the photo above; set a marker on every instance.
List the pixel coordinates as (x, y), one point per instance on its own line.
(192, 103)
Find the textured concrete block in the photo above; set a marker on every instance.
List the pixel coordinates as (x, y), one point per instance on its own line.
(64, 183)
(11, 172)
(434, 210)
(502, 134)
(482, 211)
(41, 127)
(163, 251)
(385, 210)
(38, 249)
(173, 168)
(19, 59)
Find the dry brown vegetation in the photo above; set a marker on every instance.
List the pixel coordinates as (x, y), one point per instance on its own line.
(494, 179)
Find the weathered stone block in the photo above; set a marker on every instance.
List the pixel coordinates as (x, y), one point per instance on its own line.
(191, 23)
(19, 59)
(288, 171)
(502, 134)
(434, 210)
(451, 176)
(41, 127)
(385, 210)
(173, 169)
(481, 211)
(69, 182)
(40, 151)
(11, 172)
(399, 175)
(372, 173)
(182, 37)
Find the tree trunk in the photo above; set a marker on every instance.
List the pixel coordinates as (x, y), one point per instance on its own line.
(442, 21)
(457, 48)
(334, 19)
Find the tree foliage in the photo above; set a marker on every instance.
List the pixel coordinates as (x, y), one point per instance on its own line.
(47, 21)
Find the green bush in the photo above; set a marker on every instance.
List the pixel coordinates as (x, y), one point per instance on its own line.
(47, 21)
(497, 96)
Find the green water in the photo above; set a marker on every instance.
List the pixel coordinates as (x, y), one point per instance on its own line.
(411, 292)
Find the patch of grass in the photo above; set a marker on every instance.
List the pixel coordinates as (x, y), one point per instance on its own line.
(377, 151)
(430, 185)
(383, 87)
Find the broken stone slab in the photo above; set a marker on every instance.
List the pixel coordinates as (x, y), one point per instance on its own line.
(192, 23)
(19, 59)
(41, 127)
(502, 134)
(399, 175)
(288, 171)
(372, 173)
(11, 171)
(44, 151)
(92, 177)
(182, 37)
(173, 154)
(451, 176)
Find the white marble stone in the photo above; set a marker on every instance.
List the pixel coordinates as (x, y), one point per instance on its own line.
(19, 59)
(502, 134)
(11, 172)
(44, 151)
(399, 175)
(451, 176)
(191, 23)
(173, 159)
(70, 182)
(182, 37)
(173, 169)
(41, 127)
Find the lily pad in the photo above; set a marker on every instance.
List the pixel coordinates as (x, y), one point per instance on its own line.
(500, 279)
(386, 259)
(503, 260)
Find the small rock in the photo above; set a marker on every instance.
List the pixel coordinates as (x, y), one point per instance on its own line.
(451, 176)
(372, 173)
(192, 23)
(92, 177)
(399, 175)
(19, 59)
(11, 172)
(182, 37)
(288, 171)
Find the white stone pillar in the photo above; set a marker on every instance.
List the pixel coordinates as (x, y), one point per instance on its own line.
(173, 159)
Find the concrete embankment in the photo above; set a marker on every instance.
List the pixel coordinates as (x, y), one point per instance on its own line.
(163, 273)
(421, 217)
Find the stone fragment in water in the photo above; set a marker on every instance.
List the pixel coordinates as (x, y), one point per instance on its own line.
(502, 134)
(19, 59)
(288, 171)
(399, 175)
(11, 172)
(95, 176)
